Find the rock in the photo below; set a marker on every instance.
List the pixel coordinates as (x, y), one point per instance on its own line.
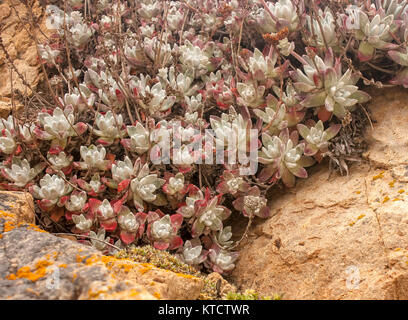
(343, 237)
(17, 206)
(21, 49)
(224, 287)
(37, 265)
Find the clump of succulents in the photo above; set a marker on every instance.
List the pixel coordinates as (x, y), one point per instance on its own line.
(167, 118)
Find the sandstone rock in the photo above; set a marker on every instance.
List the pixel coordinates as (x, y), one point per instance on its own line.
(21, 49)
(17, 206)
(37, 265)
(340, 237)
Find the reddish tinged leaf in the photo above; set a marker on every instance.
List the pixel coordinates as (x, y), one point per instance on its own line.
(127, 237)
(125, 143)
(109, 225)
(123, 185)
(318, 156)
(94, 204)
(176, 242)
(57, 214)
(62, 200)
(55, 150)
(80, 127)
(239, 203)
(223, 106)
(104, 142)
(176, 220)
(161, 245)
(323, 114)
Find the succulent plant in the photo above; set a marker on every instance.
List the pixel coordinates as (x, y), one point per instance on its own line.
(317, 139)
(231, 130)
(7, 143)
(60, 161)
(193, 255)
(252, 204)
(144, 186)
(132, 225)
(82, 223)
(283, 157)
(175, 185)
(76, 202)
(277, 15)
(48, 54)
(223, 237)
(110, 127)
(209, 215)
(374, 34)
(263, 67)
(52, 191)
(199, 60)
(94, 187)
(93, 158)
(322, 32)
(155, 98)
(232, 183)
(21, 173)
(220, 260)
(139, 140)
(59, 126)
(325, 85)
(250, 94)
(105, 212)
(98, 240)
(162, 230)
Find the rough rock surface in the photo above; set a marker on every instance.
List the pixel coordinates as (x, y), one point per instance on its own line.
(21, 49)
(37, 265)
(340, 237)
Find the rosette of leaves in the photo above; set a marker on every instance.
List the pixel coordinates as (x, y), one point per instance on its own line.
(53, 190)
(253, 204)
(324, 85)
(317, 139)
(162, 230)
(283, 158)
(21, 174)
(220, 260)
(58, 125)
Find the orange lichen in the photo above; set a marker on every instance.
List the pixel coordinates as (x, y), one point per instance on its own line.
(146, 267)
(91, 260)
(96, 294)
(387, 198)
(63, 265)
(26, 273)
(379, 176)
(401, 191)
(360, 217)
(397, 199)
(4, 214)
(8, 226)
(157, 295)
(358, 192)
(392, 183)
(11, 225)
(79, 258)
(187, 276)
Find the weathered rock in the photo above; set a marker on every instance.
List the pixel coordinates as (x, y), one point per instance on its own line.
(18, 206)
(340, 237)
(21, 49)
(37, 265)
